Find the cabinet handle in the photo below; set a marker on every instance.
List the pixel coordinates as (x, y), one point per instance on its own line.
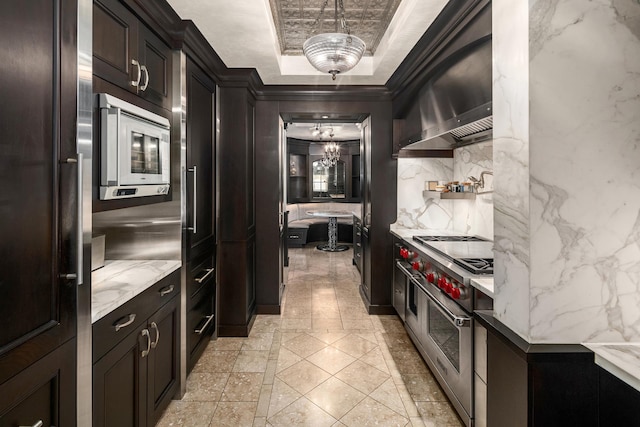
(166, 290)
(206, 324)
(145, 333)
(136, 82)
(206, 276)
(146, 78)
(154, 325)
(37, 424)
(294, 236)
(78, 276)
(194, 169)
(121, 323)
(358, 244)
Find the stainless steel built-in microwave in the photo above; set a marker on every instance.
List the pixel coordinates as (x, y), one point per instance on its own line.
(135, 151)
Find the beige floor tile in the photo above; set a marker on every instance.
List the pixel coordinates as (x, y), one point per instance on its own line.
(388, 395)
(375, 359)
(260, 422)
(331, 360)
(296, 324)
(423, 388)
(216, 361)
(243, 387)
(251, 361)
(398, 341)
(281, 396)
(354, 345)
(286, 336)
(325, 312)
(304, 345)
(370, 412)
(328, 337)
(303, 376)
(265, 323)
(263, 401)
(205, 386)
(409, 362)
(323, 324)
(234, 414)
(258, 341)
(335, 397)
(226, 343)
(363, 377)
(187, 414)
(438, 414)
(357, 324)
(286, 358)
(302, 413)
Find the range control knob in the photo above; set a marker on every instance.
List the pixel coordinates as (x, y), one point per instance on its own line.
(442, 281)
(456, 293)
(412, 255)
(417, 265)
(404, 253)
(448, 287)
(431, 277)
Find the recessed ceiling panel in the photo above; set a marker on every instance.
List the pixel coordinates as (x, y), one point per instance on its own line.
(296, 20)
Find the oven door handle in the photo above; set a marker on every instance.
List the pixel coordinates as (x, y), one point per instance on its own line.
(458, 321)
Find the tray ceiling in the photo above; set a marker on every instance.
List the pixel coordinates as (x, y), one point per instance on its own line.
(248, 34)
(295, 21)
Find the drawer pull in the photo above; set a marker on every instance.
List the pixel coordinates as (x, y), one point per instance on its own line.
(38, 424)
(358, 234)
(166, 290)
(145, 333)
(122, 323)
(294, 236)
(206, 276)
(206, 324)
(154, 325)
(358, 244)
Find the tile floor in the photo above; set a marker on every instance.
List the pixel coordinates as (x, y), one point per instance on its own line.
(323, 362)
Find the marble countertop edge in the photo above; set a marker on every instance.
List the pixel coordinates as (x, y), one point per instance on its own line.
(122, 280)
(619, 359)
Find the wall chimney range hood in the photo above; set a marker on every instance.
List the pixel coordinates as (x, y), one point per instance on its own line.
(454, 106)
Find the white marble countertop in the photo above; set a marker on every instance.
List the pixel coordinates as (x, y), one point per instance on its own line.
(484, 284)
(620, 359)
(119, 281)
(408, 233)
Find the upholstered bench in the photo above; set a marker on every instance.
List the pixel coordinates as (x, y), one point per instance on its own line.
(304, 228)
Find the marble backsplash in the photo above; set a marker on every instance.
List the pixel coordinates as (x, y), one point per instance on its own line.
(463, 216)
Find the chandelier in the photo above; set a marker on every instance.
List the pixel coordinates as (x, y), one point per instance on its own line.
(331, 153)
(336, 52)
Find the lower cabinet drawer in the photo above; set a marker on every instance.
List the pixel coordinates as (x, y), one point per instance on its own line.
(201, 275)
(201, 324)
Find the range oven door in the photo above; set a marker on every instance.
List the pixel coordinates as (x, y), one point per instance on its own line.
(400, 280)
(448, 342)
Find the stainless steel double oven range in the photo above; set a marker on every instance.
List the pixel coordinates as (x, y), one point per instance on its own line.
(439, 304)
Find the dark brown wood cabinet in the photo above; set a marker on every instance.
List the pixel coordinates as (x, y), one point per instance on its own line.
(136, 374)
(129, 55)
(38, 289)
(200, 235)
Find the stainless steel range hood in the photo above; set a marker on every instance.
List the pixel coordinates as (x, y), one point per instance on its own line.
(455, 105)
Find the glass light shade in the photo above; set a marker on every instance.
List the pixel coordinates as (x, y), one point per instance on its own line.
(333, 53)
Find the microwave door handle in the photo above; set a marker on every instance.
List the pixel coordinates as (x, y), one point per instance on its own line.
(194, 170)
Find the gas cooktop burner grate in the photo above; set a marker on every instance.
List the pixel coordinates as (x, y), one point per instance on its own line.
(448, 239)
(476, 265)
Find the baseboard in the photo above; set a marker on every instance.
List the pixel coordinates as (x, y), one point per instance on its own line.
(268, 309)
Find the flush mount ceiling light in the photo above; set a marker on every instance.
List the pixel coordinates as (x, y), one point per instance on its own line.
(336, 52)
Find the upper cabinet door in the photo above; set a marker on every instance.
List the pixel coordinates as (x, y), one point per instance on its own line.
(115, 43)
(37, 183)
(128, 54)
(201, 161)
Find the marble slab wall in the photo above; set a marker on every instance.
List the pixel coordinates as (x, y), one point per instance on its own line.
(567, 159)
(474, 217)
(415, 211)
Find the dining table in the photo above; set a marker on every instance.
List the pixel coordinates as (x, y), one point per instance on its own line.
(333, 215)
